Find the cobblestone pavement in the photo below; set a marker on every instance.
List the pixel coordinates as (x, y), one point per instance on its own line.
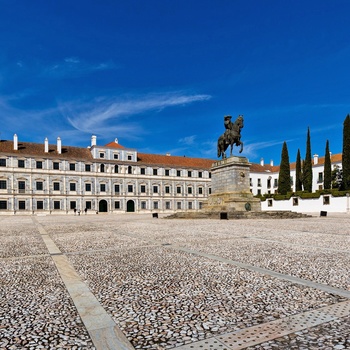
(186, 284)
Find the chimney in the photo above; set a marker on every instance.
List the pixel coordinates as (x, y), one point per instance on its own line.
(271, 162)
(262, 161)
(59, 145)
(46, 145)
(93, 140)
(15, 142)
(315, 159)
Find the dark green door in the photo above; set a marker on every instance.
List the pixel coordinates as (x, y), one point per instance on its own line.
(130, 206)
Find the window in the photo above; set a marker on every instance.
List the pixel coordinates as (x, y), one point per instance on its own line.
(143, 171)
(189, 190)
(39, 186)
(200, 190)
(275, 183)
(21, 186)
(178, 172)
(129, 169)
(87, 167)
(102, 155)
(130, 188)
(189, 173)
(57, 205)
(117, 205)
(21, 205)
(103, 187)
(102, 168)
(178, 189)
(116, 188)
(268, 183)
(250, 182)
(178, 205)
(39, 205)
(259, 182)
(56, 186)
(39, 164)
(3, 184)
(190, 205)
(88, 204)
(143, 205)
(320, 177)
(209, 190)
(21, 163)
(73, 204)
(116, 156)
(326, 200)
(72, 166)
(155, 189)
(167, 172)
(56, 165)
(88, 187)
(167, 189)
(200, 174)
(143, 189)
(209, 175)
(129, 157)
(116, 169)
(167, 205)
(72, 186)
(200, 205)
(155, 171)
(155, 205)
(3, 205)
(2, 162)
(259, 192)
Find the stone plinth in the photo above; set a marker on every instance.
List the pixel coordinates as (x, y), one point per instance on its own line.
(230, 186)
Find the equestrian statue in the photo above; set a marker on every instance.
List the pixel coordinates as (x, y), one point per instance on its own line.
(231, 136)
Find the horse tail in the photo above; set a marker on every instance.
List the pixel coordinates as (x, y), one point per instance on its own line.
(219, 147)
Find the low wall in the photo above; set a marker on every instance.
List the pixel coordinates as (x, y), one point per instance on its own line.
(324, 203)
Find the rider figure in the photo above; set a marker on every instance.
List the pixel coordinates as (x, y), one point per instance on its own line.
(228, 126)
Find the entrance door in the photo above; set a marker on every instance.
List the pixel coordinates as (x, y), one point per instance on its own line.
(102, 206)
(130, 206)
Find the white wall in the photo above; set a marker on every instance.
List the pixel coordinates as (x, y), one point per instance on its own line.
(336, 205)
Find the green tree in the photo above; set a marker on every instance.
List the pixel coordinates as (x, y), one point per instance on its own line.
(327, 172)
(284, 174)
(298, 175)
(307, 166)
(346, 154)
(337, 177)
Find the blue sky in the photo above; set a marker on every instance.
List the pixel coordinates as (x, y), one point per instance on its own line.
(160, 74)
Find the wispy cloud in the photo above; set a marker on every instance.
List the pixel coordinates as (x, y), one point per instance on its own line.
(95, 116)
(188, 140)
(73, 66)
(250, 149)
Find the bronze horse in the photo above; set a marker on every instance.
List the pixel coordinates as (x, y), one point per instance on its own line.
(232, 136)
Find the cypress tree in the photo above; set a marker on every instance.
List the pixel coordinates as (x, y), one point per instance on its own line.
(346, 154)
(284, 174)
(327, 172)
(307, 168)
(298, 178)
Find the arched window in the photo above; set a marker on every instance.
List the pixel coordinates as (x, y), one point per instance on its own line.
(116, 169)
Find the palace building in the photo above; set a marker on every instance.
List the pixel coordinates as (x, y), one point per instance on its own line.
(52, 178)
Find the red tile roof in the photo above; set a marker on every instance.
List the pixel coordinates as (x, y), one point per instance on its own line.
(163, 160)
(114, 144)
(38, 150)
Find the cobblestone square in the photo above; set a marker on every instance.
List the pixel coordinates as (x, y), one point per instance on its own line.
(133, 281)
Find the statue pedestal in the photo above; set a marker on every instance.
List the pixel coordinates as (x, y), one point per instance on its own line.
(230, 187)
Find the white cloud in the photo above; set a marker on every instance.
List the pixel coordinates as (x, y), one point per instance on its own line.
(97, 114)
(188, 140)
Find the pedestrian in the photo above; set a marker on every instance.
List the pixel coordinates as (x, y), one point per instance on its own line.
(75, 211)
(85, 211)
